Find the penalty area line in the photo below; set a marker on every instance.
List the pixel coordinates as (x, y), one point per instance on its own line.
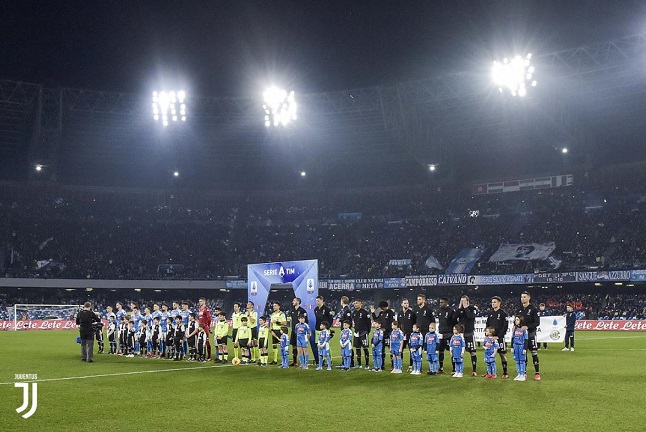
(119, 374)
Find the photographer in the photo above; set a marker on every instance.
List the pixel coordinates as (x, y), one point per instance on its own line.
(85, 320)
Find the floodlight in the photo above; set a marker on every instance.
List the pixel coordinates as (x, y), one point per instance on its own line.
(176, 174)
(303, 173)
(514, 76)
(165, 106)
(432, 167)
(38, 167)
(279, 106)
(564, 150)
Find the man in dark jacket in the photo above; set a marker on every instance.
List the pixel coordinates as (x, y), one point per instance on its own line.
(570, 323)
(85, 320)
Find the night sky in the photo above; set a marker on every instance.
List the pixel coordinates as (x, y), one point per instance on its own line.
(221, 48)
(238, 48)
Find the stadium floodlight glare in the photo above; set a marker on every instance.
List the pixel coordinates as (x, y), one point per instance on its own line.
(167, 104)
(303, 173)
(38, 167)
(432, 167)
(280, 107)
(175, 173)
(564, 150)
(514, 76)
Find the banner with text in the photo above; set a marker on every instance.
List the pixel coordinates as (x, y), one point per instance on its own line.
(522, 185)
(351, 284)
(511, 279)
(552, 329)
(638, 275)
(608, 325)
(41, 325)
(600, 276)
(400, 262)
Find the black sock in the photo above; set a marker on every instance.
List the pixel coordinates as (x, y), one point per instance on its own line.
(474, 361)
(358, 356)
(504, 367)
(367, 354)
(536, 364)
(441, 358)
(453, 366)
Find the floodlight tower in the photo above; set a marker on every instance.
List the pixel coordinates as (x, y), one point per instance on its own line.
(166, 106)
(280, 107)
(515, 76)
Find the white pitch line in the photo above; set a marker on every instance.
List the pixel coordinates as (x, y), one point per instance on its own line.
(123, 373)
(118, 374)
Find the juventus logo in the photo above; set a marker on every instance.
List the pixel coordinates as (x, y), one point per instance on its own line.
(25, 398)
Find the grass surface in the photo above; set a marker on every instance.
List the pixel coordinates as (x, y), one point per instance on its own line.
(600, 386)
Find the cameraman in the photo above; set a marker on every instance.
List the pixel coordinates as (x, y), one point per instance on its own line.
(85, 320)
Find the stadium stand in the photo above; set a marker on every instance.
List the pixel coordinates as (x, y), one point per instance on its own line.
(109, 233)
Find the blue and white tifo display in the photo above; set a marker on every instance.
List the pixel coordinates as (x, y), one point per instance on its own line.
(303, 276)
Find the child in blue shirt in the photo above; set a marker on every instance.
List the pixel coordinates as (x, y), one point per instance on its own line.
(457, 346)
(346, 345)
(302, 337)
(431, 345)
(415, 343)
(324, 346)
(284, 347)
(377, 347)
(520, 340)
(491, 346)
(396, 343)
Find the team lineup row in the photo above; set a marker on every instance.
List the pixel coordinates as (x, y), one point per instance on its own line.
(180, 332)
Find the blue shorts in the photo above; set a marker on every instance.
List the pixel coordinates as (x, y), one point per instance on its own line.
(323, 351)
(396, 350)
(302, 343)
(346, 352)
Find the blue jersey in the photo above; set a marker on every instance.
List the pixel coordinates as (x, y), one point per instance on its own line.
(163, 321)
(284, 341)
(136, 318)
(456, 344)
(302, 331)
(120, 313)
(491, 347)
(184, 315)
(175, 312)
(149, 320)
(346, 339)
(415, 340)
(378, 339)
(324, 340)
(431, 341)
(156, 314)
(519, 337)
(396, 340)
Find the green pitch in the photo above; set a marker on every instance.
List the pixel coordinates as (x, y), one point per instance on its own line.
(597, 387)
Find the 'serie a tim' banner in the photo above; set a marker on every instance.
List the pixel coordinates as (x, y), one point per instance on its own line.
(300, 276)
(611, 325)
(552, 329)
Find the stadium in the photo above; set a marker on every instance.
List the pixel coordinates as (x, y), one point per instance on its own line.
(358, 164)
